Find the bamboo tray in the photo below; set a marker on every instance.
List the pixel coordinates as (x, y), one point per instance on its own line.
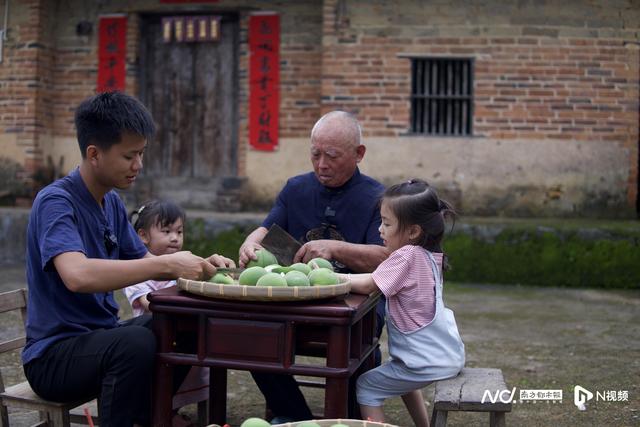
(264, 293)
(329, 423)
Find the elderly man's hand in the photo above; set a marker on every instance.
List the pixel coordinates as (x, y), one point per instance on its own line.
(316, 249)
(221, 261)
(248, 252)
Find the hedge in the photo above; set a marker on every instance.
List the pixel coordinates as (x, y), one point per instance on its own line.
(566, 253)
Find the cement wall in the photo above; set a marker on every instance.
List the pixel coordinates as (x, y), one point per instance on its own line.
(13, 231)
(479, 176)
(14, 221)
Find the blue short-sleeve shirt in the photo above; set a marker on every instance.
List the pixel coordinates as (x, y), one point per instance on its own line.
(309, 211)
(66, 218)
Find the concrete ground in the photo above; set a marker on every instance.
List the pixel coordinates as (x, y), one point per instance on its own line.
(542, 338)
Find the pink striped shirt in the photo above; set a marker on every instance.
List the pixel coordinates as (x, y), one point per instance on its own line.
(406, 279)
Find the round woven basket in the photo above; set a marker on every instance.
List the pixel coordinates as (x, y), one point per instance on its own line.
(264, 293)
(329, 423)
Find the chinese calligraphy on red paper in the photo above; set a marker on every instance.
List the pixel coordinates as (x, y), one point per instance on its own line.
(112, 53)
(264, 81)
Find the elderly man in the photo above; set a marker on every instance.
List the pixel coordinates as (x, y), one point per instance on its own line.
(334, 209)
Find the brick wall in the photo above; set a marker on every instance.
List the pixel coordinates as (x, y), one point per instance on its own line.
(530, 81)
(543, 72)
(25, 81)
(563, 72)
(49, 69)
(300, 71)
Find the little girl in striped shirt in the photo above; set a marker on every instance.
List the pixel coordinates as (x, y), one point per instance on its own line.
(424, 343)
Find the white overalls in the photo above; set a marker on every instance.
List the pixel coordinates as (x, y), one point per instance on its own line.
(417, 358)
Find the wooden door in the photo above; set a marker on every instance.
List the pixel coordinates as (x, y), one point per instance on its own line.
(191, 91)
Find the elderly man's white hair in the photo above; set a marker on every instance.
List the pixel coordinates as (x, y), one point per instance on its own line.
(350, 127)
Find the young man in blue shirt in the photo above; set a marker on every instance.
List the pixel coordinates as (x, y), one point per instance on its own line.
(334, 209)
(80, 248)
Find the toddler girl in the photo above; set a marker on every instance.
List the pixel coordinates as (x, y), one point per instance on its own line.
(160, 225)
(424, 344)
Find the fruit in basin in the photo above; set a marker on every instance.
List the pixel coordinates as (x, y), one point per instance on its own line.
(251, 275)
(272, 279)
(301, 267)
(264, 258)
(323, 276)
(222, 278)
(320, 262)
(296, 278)
(255, 422)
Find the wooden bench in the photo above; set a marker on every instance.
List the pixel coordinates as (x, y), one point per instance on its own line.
(465, 393)
(20, 395)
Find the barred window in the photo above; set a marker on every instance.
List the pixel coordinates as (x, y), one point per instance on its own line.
(442, 96)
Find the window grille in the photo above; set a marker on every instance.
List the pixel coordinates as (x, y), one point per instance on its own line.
(442, 96)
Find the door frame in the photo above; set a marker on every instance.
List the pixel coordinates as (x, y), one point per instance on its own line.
(143, 21)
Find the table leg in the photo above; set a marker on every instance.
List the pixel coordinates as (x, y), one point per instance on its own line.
(337, 389)
(217, 395)
(163, 378)
(354, 408)
(162, 402)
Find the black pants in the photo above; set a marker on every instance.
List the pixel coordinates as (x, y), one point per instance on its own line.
(114, 364)
(281, 392)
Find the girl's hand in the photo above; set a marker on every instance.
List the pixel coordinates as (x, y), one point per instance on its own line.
(361, 283)
(220, 261)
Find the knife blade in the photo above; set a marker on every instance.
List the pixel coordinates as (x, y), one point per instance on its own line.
(281, 244)
(229, 270)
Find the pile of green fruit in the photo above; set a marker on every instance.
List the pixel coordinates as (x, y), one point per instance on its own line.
(265, 271)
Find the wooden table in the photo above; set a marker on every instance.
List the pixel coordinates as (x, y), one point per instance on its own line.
(266, 337)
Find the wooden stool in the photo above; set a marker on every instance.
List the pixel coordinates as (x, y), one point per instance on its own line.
(465, 392)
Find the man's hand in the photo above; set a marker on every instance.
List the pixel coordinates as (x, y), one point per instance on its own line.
(220, 261)
(189, 266)
(316, 249)
(248, 252)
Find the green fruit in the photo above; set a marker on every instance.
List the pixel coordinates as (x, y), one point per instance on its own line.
(264, 258)
(296, 278)
(255, 422)
(250, 276)
(323, 276)
(308, 424)
(281, 269)
(272, 279)
(338, 425)
(272, 268)
(321, 262)
(222, 278)
(301, 267)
